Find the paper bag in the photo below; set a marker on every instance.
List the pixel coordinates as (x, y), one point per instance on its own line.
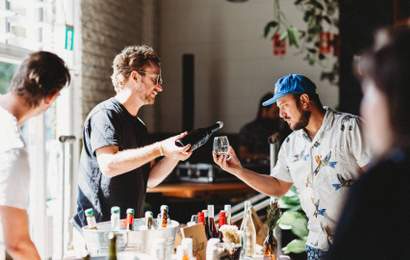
(199, 240)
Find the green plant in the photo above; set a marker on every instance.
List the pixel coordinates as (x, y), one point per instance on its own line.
(293, 219)
(319, 16)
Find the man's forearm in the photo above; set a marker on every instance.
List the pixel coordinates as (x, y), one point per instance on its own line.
(160, 171)
(263, 183)
(127, 160)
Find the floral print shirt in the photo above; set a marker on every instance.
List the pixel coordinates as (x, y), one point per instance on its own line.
(322, 169)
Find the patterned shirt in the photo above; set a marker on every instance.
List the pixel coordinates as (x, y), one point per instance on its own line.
(322, 169)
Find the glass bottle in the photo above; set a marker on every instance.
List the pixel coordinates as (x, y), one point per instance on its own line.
(270, 244)
(149, 220)
(130, 219)
(211, 222)
(228, 212)
(115, 218)
(90, 216)
(112, 246)
(200, 136)
(248, 231)
(164, 216)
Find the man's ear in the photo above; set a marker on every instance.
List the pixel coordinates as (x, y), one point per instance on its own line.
(305, 101)
(135, 75)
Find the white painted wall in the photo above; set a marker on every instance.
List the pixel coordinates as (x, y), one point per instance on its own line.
(234, 65)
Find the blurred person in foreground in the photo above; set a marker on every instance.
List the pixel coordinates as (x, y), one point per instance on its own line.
(117, 160)
(34, 88)
(322, 157)
(375, 222)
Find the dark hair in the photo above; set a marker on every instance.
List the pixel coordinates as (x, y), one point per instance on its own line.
(261, 107)
(132, 58)
(40, 75)
(314, 97)
(389, 69)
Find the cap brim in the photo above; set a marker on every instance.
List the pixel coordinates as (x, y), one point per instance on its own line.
(273, 99)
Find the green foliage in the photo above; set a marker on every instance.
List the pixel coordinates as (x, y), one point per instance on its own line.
(293, 219)
(317, 15)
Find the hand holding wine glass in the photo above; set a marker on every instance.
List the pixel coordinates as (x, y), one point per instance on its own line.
(224, 155)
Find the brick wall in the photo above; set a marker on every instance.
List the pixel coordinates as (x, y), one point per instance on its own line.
(106, 28)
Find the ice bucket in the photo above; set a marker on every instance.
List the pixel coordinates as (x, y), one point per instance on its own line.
(156, 242)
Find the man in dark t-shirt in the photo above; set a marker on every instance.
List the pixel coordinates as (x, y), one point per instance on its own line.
(116, 161)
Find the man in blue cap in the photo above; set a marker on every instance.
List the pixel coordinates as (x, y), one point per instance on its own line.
(322, 157)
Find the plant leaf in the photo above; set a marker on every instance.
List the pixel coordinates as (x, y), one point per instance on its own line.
(272, 24)
(295, 246)
(283, 35)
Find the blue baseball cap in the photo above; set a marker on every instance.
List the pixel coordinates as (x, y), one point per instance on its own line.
(291, 84)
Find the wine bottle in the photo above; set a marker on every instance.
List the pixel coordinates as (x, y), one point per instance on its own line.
(112, 246)
(199, 137)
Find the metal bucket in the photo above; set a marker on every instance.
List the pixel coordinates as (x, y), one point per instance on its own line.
(156, 242)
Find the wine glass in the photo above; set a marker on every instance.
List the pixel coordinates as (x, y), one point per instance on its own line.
(221, 145)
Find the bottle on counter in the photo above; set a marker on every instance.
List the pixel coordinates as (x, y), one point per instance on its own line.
(206, 223)
(112, 246)
(164, 216)
(228, 213)
(248, 233)
(199, 137)
(149, 220)
(211, 222)
(270, 245)
(222, 218)
(130, 219)
(90, 216)
(184, 251)
(193, 221)
(115, 218)
(201, 217)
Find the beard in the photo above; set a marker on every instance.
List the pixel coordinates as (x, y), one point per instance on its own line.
(302, 122)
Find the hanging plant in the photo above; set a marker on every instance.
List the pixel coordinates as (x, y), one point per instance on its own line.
(317, 42)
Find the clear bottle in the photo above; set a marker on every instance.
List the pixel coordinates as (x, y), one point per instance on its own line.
(248, 231)
(200, 136)
(228, 212)
(115, 218)
(149, 220)
(130, 219)
(90, 216)
(211, 222)
(112, 246)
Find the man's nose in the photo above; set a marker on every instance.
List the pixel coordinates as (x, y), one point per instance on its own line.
(159, 87)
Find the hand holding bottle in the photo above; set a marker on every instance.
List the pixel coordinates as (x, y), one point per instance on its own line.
(170, 149)
(228, 162)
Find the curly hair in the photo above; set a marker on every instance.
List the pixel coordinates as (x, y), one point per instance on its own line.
(132, 58)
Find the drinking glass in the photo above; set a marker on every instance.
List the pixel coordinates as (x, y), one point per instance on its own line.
(221, 145)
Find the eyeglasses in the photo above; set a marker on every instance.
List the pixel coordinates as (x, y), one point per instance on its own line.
(157, 79)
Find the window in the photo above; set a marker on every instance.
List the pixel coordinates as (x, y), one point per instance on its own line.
(6, 74)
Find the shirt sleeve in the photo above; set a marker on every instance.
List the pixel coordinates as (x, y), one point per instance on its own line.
(14, 178)
(281, 169)
(104, 130)
(356, 143)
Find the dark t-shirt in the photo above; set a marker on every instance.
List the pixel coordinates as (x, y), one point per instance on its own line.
(375, 222)
(109, 123)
